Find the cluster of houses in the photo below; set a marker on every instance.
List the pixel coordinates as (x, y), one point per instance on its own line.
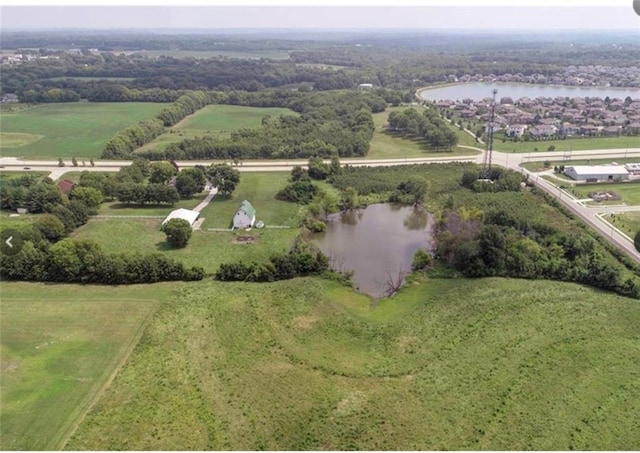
(545, 117)
(587, 75)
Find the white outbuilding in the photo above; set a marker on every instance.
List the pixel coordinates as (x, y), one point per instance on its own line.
(184, 214)
(245, 216)
(597, 173)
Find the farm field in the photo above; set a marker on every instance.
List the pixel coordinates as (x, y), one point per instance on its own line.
(306, 364)
(78, 129)
(386, 144)
(628, 222)
(217, 119)
(60, 346)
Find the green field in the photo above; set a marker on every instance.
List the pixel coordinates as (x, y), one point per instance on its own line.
(386, 144)
(628, 222)
(218, 120)
(206, 248)
(60, 345)
(568, 144)
(630, 191)
(78, 129)
(539, 165)
(14, 140)
(490, 364)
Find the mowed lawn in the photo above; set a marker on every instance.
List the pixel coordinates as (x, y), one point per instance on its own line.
(79, 129)
(206, 249)
(387, 144)
(218, 120)
(568, 144)
(628, 222)
(629, 191)
(60, 345)
(306, 364)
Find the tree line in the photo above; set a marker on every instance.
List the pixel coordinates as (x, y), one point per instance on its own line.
(327, 124)
(428, 126)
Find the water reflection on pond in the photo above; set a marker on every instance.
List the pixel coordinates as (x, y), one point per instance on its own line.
(376, 243)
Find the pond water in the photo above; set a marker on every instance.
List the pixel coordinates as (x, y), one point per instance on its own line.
(481, 90)
(376, 243)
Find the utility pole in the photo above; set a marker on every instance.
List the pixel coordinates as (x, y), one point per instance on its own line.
(486, 164)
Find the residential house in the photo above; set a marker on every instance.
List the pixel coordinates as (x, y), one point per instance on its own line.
(515, 130)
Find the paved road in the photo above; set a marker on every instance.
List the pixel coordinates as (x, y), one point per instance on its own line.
(508, 160)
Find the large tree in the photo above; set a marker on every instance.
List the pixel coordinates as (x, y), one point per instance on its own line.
(178, 232)
(224, 177)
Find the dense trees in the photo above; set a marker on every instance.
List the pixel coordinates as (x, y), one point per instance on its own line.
(427, 125)
(224, 177)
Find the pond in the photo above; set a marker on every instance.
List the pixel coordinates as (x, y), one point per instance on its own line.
(481, 90)
(377, 243)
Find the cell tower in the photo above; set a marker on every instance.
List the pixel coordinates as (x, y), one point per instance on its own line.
(486, 162)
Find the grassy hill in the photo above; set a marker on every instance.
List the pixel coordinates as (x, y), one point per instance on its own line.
(447, 364)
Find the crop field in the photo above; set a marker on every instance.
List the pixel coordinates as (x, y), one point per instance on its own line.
(60, 345)
(218, 120)
(78, 129)
(306, 364)
(385, 144)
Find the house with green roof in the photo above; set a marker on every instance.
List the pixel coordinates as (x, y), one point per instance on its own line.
(245, 216)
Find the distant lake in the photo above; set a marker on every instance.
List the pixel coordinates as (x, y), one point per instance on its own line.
(375, 242)
(481, 90)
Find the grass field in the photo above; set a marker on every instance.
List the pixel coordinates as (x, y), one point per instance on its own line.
(14, 140)
(206, 248)
(78, 129)
(490, 364)
(568, 144)
(630, 191)
(386, 144)
(628, 222)
(539, 165)
(60, 344)
(218, 120)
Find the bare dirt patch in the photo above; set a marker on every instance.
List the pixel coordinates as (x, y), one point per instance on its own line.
(244, 240)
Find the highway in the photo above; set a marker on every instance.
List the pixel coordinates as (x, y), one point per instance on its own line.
(592, 215)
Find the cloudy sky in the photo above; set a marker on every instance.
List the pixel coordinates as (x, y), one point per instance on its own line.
(278, 14)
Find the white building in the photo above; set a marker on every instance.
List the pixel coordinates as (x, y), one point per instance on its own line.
(365, 86)
(597, 173)
(245, 216)
(633, 169)
(184, 214)
(515, 130)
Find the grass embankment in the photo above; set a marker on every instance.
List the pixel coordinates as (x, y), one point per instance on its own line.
(60, 344)
(78, 129)
(387, 144)
(219, 120)
(307, 365)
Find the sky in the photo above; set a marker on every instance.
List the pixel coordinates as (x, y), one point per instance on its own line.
(346, 14)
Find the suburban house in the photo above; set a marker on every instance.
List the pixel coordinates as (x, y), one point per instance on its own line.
(365, 86)
(184, 214)
(65, 186)
(245, 216)
(597, 173)
(515, 130)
